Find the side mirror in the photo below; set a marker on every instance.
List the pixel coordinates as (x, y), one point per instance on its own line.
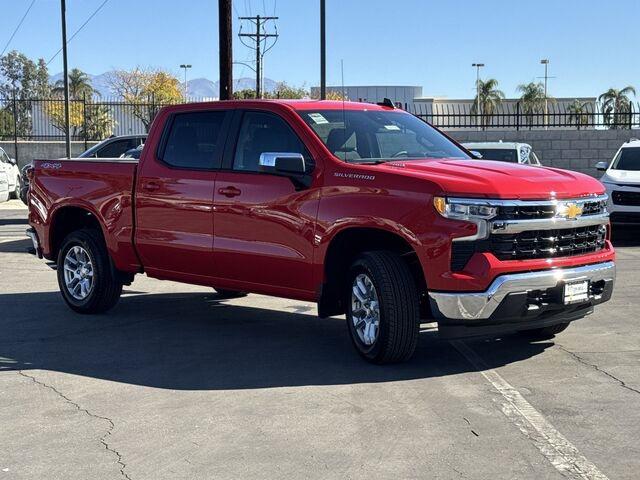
(602, 166)
(476, 154)
(288, 164)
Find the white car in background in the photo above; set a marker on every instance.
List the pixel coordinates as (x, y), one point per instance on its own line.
(622, 180)
(511, 152)
(4, 186)
(10, 167)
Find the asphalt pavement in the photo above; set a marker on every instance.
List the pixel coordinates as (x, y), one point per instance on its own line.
(175, 383)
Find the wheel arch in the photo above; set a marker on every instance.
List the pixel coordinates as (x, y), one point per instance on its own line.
(67, 219)
(342, 250)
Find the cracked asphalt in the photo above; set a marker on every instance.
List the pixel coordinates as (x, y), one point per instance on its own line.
(175, 383)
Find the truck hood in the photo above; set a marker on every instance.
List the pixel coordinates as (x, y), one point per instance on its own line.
(491, 179)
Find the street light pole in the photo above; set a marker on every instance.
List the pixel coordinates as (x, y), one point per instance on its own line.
(478, 66)
(63, 9)
(323, 53)
(545, 62)
(185, 66)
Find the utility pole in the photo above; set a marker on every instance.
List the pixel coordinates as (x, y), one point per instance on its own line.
(63, 9)
(260, 35)
(225, 49)
(323, 52)
(478, 66)
(186, 89)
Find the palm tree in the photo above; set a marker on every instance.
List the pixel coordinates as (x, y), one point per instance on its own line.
(616, 106)
(490, 98)
(79, 85)
(579, 111)
(533, 100)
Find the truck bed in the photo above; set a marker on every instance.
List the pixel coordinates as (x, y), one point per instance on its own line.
(103, 187)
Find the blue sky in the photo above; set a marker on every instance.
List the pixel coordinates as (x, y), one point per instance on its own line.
(592, 44)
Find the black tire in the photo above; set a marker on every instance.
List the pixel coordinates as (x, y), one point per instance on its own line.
(106, 289)
(545, 333)
(227, 294)
(16, 191)
(399, 311)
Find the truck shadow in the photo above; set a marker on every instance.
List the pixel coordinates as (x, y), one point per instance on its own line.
(22, 245)
(195, 342)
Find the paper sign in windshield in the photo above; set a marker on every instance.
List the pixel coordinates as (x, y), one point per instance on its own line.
(318, 118)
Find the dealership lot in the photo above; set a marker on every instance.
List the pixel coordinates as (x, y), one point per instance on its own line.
(174, 383)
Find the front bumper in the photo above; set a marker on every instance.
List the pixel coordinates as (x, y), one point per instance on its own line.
(516, 300)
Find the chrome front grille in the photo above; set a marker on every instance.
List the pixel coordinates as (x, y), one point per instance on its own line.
(525, 230)
(548, 243)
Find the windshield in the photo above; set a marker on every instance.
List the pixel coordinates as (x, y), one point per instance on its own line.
(628, 159)
(364, 136)
(499, 154)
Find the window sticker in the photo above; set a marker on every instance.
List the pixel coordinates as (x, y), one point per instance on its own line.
(392, 127)
(318, 118)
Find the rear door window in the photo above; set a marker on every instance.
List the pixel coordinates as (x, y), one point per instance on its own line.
(195, 140)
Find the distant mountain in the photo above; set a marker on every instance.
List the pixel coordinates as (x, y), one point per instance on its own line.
(198, 87)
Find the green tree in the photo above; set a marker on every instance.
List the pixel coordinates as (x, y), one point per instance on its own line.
(616, 106)
(490, 98)
(18, 77)
(79, 85)
(283, 90)
(579, 113)
(42, 86)
(533, 100)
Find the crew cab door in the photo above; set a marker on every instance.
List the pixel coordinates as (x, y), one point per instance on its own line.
(263, 222)
(174, 195)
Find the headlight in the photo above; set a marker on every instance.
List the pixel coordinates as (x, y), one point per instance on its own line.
(464, 209)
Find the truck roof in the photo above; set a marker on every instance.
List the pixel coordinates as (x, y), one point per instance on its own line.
(304, 104)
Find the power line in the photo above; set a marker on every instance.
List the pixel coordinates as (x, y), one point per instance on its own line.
(79, 29)
(17, 27)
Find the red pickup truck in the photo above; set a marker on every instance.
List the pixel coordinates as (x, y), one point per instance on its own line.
(364, 209)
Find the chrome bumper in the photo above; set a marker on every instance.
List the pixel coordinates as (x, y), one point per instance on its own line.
(480, 306)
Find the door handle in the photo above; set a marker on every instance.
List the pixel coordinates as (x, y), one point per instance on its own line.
(151, 186)
(229, 191)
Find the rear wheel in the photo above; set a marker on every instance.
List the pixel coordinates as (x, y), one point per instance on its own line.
(382, 308)
(545, 333)
(87, 279)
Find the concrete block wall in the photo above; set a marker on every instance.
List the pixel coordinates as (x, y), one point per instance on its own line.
(28, 151)
(577, 150)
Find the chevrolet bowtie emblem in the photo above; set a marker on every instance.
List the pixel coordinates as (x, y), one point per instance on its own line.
(573, 210)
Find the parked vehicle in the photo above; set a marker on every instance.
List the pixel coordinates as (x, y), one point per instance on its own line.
(134, 152)
(24, 183)
(363, 208)
(114, 146)
(10, 167)
(4, 186)
(505, 152)
(622, 180)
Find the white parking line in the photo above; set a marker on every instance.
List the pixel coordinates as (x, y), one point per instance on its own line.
(562, 454)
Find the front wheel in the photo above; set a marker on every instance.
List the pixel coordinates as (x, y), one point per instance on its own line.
(382, 308)
(88, 282)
